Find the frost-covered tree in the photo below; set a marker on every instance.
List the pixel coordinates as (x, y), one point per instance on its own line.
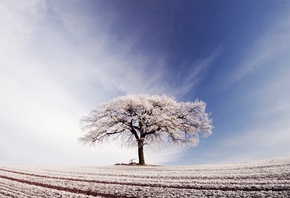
(138, 120)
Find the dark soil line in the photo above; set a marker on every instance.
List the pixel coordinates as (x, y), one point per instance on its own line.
(222, 188)
(71, 190)
(6, 194)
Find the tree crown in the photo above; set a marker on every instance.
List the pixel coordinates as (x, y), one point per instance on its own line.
(150, 119)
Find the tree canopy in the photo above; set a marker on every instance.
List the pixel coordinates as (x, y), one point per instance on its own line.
(138, 120)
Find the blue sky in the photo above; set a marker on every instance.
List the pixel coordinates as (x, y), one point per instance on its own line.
(60, 59)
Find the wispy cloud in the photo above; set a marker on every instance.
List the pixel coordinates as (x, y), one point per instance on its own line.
(55, 70)
(274, 42)
(187, 80)
(59, 61)
(262, 79)
(266, 135)
(259, 142)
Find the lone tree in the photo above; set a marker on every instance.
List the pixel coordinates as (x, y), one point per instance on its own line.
(138, 120)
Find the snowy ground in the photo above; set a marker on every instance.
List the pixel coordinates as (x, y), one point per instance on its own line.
(269, 178)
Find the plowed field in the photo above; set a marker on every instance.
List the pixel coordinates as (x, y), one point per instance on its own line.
(269, 178)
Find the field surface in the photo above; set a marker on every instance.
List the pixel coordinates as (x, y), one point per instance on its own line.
(254, 179)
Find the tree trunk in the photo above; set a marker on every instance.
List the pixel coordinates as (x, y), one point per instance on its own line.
(141, 152)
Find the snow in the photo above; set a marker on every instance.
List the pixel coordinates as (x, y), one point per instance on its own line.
(268, 178)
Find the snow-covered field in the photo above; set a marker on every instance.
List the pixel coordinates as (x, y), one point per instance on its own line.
(269, 178)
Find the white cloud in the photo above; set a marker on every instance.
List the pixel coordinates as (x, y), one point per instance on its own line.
(260, 142)
(265, 133)
(58, 63)
(55, 70)
(188, 80)
(272, 44)
(256, 92)
(263, 83)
